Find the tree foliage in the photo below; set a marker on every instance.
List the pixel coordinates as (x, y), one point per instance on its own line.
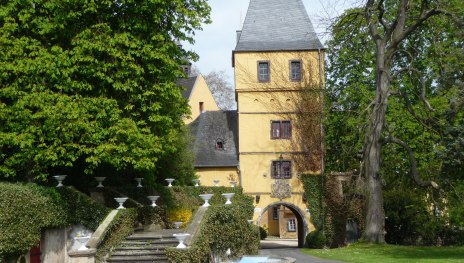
(91, 81)
(394, 88)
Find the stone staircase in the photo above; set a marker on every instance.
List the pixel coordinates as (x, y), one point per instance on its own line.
(145, 246)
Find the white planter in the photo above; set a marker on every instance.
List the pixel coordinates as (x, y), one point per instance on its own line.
(59, 179)
(250, 221)
(216, 182)
(233, 183)
(177, 225)
(181, 238)
(100, 181)
(197, 182)
(120, 201)
(170, 180)
(153, 199)
(228, 196)
(139, 182)
(83, 240)
(206, 198)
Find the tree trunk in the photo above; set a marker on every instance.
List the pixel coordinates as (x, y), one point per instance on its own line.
(375, 216)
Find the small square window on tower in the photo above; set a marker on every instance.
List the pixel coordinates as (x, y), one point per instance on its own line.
(264, 71)
(295, 70)
(281, 130)
(281, 169)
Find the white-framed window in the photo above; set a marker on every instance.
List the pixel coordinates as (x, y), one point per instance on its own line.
(291, 223)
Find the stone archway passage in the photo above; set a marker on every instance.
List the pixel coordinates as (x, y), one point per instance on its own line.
(302, 223)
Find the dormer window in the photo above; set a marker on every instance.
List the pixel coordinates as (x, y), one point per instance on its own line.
(219, 145)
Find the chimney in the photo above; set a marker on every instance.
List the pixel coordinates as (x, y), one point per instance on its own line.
(239, 33)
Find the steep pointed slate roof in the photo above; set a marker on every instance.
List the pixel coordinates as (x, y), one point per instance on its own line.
(273, 25)
(188, 84)
(207, 129)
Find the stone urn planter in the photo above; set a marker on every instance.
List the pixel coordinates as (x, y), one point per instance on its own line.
(139, 182)
(100, 181)
(153, 199)
(120, 201)
(216, 182)
(83, 241)
(177, 225)
(233, 183)
(228, 196)
(197, 182)
(206, 198)
(59, 179)
(181, 238)
(169, 180)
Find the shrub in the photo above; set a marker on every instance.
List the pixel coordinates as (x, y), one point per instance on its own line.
(262, 233)
(180, 215)
(316, 239)
(27, 209)
(223, 227)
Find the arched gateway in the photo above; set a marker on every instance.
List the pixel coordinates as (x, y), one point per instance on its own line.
(302, 222)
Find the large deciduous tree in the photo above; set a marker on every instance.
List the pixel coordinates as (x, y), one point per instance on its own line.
(389, 58)
(221, 89)
(91, 82)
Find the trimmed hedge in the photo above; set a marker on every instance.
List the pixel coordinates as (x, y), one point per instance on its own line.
(27, 209)
(223, 227)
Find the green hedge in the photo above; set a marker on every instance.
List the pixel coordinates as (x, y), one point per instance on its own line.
(223, 227)
(27, 209)
(121, 227)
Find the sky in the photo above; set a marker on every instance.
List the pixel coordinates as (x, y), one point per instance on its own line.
(215, 43)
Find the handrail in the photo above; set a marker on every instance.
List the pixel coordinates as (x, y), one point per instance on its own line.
(100, 233)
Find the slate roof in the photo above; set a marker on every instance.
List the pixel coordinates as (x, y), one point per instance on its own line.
(207, 129)
(273, 25)
(188, 84)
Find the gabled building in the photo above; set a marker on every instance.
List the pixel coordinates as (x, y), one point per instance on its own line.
(199, 96)
(216, 147)
(278, 64)
(275, 136)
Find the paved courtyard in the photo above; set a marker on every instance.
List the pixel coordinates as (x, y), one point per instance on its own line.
(288, 248)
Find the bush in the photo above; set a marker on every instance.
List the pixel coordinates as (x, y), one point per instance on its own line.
(27, 209)
(316, 239)
(262, 233)
(223, 227)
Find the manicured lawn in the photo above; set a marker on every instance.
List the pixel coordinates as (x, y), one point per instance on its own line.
(367, 253)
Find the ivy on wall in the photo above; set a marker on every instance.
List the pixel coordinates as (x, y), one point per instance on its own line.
(330, 210)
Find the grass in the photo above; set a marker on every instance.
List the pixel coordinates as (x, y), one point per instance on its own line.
(364, 253)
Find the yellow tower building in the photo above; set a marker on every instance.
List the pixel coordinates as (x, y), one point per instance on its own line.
(278, 64)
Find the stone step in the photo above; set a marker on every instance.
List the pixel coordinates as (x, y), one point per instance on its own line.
(148, 247)
(147, 244)
(138, 259)
(137, 252)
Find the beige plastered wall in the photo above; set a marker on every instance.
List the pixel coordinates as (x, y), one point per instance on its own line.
(200, 93)
(225, 175)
